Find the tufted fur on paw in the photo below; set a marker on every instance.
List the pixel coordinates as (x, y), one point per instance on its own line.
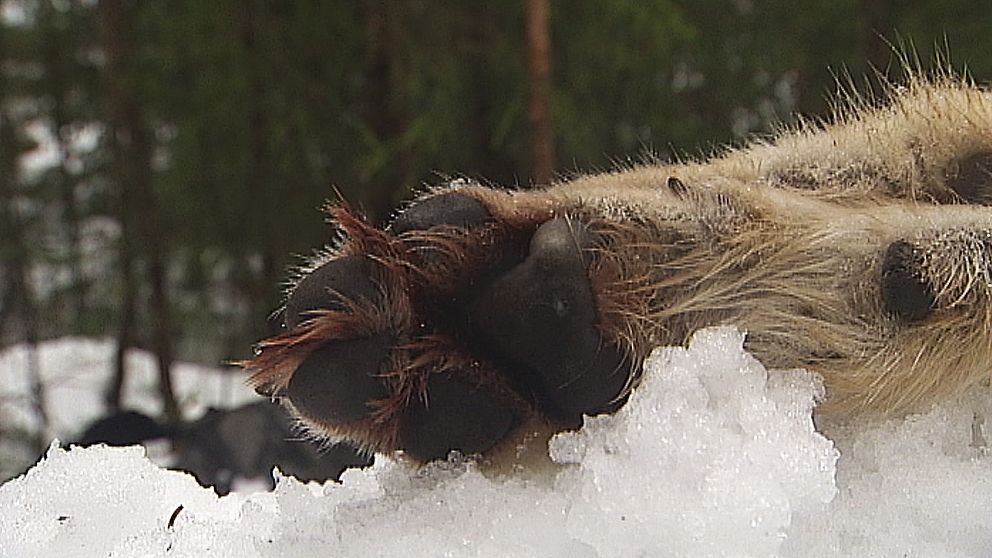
(859, 249)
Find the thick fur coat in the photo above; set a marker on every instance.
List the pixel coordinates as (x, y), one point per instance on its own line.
(859, 249)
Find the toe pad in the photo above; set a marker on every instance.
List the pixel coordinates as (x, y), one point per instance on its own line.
(336, 382)
(541, 317)
(456, 416)
(330, 285)
(904, 292)
(451, 209)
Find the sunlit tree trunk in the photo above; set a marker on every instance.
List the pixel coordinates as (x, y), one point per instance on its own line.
(539, 67)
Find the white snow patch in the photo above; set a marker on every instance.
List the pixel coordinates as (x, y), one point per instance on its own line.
(75, 371)
(711, 457)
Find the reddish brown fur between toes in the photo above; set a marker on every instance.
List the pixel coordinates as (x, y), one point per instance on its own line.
(414, 265)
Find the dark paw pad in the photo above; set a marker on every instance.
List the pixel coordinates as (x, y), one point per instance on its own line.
(337, 382)
(540, 316)
(458, 350)
(905, 293)
(328, 287)
(971, 178)
(455, 415)
(451, 209)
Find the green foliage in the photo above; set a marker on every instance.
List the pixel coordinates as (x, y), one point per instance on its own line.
(262, 110)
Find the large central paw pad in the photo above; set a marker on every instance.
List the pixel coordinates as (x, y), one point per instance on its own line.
(448, 331)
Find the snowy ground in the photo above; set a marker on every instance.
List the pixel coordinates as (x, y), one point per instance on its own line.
(74, 372)
(712, 457)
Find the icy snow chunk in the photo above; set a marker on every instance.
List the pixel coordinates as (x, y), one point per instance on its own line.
(99, 501)
(919, 486)
(707, 457)
(711, 457)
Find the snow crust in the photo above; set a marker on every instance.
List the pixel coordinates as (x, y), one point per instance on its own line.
(711, 457)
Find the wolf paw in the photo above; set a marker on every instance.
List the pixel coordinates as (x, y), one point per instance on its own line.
(464, 320)
(905, 293)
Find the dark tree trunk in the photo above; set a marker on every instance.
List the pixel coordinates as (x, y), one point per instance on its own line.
(259, 181)
(57, 82)
(125, 329)
(18, 297)
(138, 212)
(539, 68)
(39, 399)
(25, 314)
(379, 109)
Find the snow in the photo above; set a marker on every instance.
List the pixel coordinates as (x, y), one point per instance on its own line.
(712, 456)
(74, 372)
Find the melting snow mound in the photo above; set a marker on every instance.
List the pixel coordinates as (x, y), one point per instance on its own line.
(712, 456)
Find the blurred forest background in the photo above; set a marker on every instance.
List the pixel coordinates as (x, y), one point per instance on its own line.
(162, 164)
